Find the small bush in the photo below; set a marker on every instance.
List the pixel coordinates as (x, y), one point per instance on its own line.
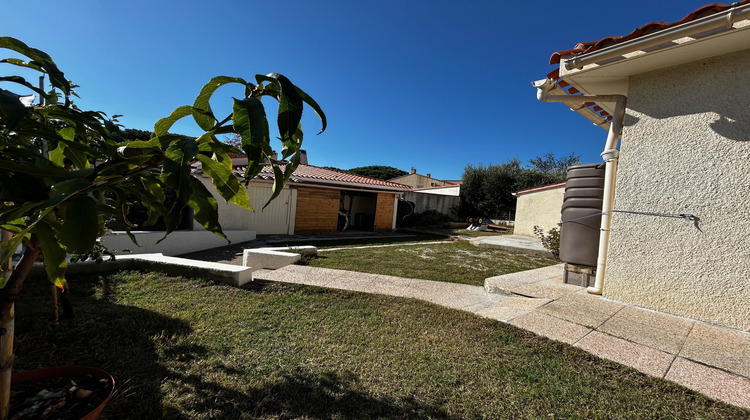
(550, 240)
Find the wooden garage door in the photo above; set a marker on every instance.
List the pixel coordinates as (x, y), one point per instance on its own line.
(274, 219)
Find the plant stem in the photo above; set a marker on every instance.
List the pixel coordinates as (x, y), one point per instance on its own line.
(8, 296)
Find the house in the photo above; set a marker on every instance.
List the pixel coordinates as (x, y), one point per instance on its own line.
(675, 235)
(416, 180)
(539, 206)
(315, 200)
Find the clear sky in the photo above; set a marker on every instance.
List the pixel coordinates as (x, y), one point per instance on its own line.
(433, 85)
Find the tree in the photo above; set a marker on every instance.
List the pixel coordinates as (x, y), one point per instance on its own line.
(378, 172)
(554, 169)
(56, 204)
(487, 191)
(235, 140)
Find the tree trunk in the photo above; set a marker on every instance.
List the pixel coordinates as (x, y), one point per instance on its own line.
(6, 357)
(8, 296)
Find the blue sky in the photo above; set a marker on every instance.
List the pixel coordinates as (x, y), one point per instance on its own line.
(433, 85)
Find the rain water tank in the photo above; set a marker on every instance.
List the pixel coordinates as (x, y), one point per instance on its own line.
(579, 236)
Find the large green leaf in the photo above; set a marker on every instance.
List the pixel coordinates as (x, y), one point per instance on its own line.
(12, 110)
(163, 125)
(278, 183)
(176, 175)
(80, 224)
(314, 105)
(290, 103)
(225, 182)
(39, 59)
(23, 82)
(54, 253)
(205, 208)
(250, 122)
(202, 101)
(21, 63)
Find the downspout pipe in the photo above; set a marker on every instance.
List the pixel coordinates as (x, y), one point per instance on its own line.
(610, 156)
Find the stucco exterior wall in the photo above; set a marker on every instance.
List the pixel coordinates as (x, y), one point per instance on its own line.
(685, 149)
(418, 181)
(538, 208)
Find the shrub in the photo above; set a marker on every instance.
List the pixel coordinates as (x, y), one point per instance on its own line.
(550, 240)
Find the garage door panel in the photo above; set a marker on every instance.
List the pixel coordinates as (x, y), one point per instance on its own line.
(275, 218)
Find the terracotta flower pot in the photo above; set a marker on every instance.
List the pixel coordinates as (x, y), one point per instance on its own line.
(67, 372)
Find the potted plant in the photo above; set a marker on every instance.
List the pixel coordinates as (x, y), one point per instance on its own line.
(63, 170)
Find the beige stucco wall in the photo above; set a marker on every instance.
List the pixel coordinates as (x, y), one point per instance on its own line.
(418, 181)
(540, 208)
(686, 149)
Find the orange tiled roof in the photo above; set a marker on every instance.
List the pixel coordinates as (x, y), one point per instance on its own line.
(309, 174)
(542, 188)
(649, 28)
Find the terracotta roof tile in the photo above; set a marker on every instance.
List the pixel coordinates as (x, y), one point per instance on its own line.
(541, 188)
(309, 174)
(649, 28)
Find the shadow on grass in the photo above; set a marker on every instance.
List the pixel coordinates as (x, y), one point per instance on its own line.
(308, 395)
(116, 338)
(144, 350)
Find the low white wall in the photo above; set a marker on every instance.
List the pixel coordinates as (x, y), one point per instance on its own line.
(178, 242)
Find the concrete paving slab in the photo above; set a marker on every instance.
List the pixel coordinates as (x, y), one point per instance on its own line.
(502, 313)
(653, 329)
(714, 383)
(530, 276)
(645, 359)
(517, 243)
(546, 289)
(268, 258)
(523, 302)
(584, 309)
(721, 347)
(295, 274)
(551, 327)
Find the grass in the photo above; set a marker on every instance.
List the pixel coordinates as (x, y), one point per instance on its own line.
(459, 232)
(186, 348)
(457, 262)
(331, 243)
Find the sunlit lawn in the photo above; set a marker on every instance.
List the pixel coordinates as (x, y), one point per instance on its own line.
(186, 348)
(457, 262)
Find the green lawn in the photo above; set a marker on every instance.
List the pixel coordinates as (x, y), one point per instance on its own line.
(195, 349)
(457, 262)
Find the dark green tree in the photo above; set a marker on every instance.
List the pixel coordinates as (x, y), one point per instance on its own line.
(56, 203)
(487, 191)
(378, 171)
(552, 168)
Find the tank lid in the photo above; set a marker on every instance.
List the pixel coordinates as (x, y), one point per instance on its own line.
(587, 166)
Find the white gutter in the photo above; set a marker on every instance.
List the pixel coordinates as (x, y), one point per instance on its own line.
(725, 19)
(610, 156)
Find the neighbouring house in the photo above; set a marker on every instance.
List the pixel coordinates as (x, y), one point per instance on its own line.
(679, 226)
(416, 180)
(315, 200)
(539, 206)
